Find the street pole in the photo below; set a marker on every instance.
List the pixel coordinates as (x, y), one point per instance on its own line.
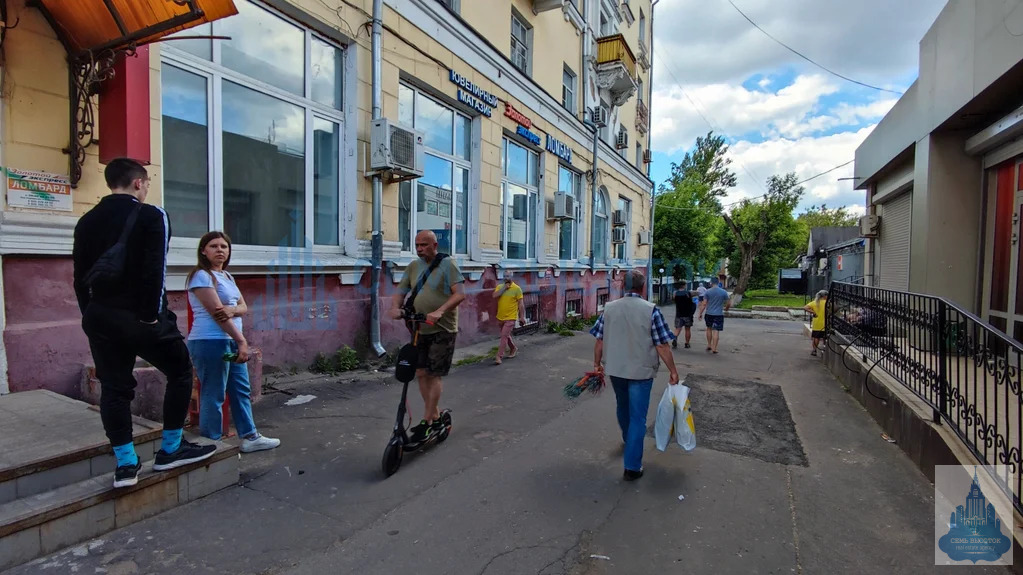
(378, 188)
(650, 257)
(653, 187)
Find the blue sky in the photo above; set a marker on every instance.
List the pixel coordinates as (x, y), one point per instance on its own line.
(779, 113)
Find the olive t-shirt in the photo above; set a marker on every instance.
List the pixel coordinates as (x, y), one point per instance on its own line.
(435, 292)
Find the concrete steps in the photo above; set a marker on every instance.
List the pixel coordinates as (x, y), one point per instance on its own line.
(56, 476)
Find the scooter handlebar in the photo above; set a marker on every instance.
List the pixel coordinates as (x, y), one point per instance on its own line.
(415, 317)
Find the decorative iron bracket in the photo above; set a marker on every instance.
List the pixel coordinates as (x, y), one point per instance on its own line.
(86, 73)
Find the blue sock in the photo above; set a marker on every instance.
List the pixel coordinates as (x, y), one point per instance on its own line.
(171, 440)
(125, 454)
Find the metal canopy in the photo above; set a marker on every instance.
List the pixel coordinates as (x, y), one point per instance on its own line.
(93, 26)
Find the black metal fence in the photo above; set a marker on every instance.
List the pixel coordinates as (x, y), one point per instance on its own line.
(967, 371)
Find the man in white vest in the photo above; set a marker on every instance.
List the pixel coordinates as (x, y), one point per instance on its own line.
(631, 334)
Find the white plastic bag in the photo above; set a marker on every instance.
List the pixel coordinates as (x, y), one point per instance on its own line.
(675, 419)
(665, 420)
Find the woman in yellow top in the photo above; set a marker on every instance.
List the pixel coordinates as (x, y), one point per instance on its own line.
(818, 311)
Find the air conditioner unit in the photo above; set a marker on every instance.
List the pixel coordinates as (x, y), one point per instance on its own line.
(599, 116)
(647, 157)
(619, 235)
(564, 206)
(644, 238)
(623, 140)
(870, 224)
(395, 149)
(618, 218)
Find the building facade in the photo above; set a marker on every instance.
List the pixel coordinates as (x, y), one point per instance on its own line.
(259, 124)
(942, 171)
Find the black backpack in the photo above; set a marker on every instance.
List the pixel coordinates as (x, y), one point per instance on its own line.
(109, 267)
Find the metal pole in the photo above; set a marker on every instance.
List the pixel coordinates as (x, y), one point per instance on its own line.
(378, 188)
(650, 256)
(653, 198)
(593, 189)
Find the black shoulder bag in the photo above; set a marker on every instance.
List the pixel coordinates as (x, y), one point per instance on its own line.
(408, 355)
(109, 267)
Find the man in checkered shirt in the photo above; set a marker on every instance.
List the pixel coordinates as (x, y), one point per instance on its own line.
(631, 335)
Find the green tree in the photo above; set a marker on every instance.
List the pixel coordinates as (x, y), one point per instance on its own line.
(759, 223)
(706, 165)
(823, 217)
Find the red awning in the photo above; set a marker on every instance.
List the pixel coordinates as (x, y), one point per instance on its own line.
(96, 25)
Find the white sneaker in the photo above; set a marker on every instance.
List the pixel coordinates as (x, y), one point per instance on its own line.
(260, 443)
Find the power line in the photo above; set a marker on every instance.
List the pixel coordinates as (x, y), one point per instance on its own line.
(681, 88)
(797, 53)
(824, 173)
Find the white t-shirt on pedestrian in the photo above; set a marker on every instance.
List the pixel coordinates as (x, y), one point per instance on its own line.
(203, 324)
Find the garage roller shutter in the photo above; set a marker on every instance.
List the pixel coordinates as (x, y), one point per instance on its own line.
(896, 221)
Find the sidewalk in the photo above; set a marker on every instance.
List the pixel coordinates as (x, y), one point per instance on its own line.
(790, 476)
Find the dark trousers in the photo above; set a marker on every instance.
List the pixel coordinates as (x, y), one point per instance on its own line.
(116, 337)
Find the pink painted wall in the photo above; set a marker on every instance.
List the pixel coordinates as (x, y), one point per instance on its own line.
(291, 317)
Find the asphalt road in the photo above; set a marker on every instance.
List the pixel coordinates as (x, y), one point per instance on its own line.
(790, 475)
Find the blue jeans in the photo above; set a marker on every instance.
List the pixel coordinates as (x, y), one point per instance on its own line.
(633, 397)
(216, 377)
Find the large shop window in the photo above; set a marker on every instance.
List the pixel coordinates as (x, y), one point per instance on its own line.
(570, 182)
(252, 132)
(521, 188)
(440, 197)
(600, 226)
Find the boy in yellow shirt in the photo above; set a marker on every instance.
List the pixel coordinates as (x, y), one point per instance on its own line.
(509, 309)
(818, 311)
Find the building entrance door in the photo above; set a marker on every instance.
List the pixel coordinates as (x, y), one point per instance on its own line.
(1004, 294)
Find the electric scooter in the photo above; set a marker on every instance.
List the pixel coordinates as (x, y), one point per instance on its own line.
(405, 371)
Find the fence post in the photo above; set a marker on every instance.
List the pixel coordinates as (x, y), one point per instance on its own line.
(942, 362)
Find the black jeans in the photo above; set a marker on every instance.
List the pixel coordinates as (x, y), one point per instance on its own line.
(116, 337)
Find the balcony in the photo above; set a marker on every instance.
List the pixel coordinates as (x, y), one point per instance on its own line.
(643, 54)
(616, 68)
(642, 117)
(547, 5)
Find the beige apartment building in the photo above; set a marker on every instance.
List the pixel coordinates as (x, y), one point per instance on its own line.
(256, 119)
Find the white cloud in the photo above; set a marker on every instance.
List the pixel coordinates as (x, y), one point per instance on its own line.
(807, 157)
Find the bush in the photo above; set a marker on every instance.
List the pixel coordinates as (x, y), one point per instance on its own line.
(344, 359)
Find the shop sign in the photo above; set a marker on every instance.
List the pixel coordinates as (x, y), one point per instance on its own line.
(511, 112)
(40, 190)
(559, 149)
(472, 95)
(530, 136)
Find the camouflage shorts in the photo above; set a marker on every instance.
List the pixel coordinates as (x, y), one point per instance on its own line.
(435, 352)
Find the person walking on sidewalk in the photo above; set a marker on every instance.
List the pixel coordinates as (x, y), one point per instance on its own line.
(510, 310)
(217, 308)
(817, 310)
(120, 262)
(633, 334)
(685, 309)
(715, 304)
(439, 283)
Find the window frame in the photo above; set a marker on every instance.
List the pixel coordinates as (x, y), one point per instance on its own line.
(526, 43)
(456, 163)
(624, 204)
(577, 179)
(571, 103)
(216, 73)
(606, 224)
(532, 200)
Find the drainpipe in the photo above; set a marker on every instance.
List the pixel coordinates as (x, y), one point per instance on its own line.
(590, 59)
(378, 189)
(594, 192)
(653, 200)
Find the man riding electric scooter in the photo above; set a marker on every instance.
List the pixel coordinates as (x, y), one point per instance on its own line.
(436, 292)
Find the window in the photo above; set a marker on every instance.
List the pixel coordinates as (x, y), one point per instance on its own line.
(622, 141)
(600, 226)
(570, 182)
(521, 190)
(568, 91)
(639, 91)
(573, 302)
(602, 297)
(272, 175)
(440, 197)
(621, 250)
(452, 5)
(642, 28)
(608, 23)
(520, 43)
(605, 130)
(639, 156)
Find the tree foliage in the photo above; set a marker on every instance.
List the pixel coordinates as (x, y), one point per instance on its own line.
(765, 228)
(823, 217)
(706, 165)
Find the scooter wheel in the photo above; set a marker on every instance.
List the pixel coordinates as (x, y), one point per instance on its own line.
(445, 418)
(392, 457)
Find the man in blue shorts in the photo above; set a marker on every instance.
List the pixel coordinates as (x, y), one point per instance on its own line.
(715, 303)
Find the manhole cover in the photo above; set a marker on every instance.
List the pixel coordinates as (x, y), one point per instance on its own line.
(744, 417)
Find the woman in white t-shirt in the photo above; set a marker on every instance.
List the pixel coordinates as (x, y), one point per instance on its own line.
(218, 348)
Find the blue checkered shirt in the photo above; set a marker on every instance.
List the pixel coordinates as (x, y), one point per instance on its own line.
(659, 332)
